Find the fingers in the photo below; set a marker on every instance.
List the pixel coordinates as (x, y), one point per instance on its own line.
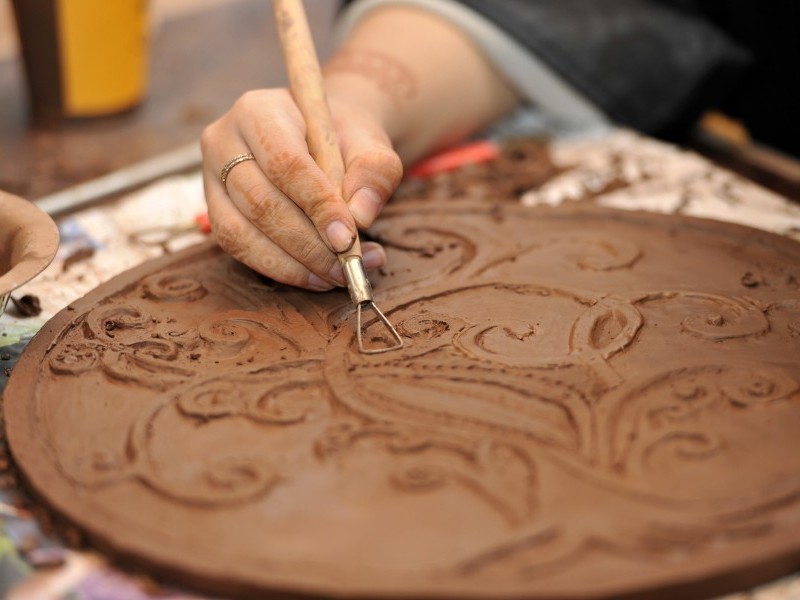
(282, 153)
(279, 219)
(279, 214)
(237, 236)
(247, 244)
(282, 221)
(235, 229)
(372, 170)
(372, 255)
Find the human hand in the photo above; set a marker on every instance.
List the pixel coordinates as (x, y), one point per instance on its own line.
(279, 214)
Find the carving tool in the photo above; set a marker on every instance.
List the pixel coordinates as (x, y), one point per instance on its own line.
(305, 81)
(180, 160)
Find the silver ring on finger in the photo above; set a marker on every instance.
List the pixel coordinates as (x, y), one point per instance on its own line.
(239, 158)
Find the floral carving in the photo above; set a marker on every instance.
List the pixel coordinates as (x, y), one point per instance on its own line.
(511, 424)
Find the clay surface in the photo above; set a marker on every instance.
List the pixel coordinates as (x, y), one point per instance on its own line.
(28, 243)
(590, 404)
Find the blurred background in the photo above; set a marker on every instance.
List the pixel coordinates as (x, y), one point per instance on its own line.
(203, 54)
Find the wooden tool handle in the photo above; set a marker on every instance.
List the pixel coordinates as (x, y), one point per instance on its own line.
(305, 81)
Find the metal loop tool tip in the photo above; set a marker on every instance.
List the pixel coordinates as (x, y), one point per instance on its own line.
(361, 295)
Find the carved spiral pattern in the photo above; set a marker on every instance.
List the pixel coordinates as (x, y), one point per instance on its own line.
(684, 445)
(173, 288)
(336, 438)
(423, 328)
(425, 331)
(75, 358)
(420, 478)
(155, 349)
(276, 400)
(725, 318)
(748, 388)
(139, 364)
(233, 333)
(215, 481)
(117, 322)
(288, 403)
(428, 242)
(212, 401)
(663, 418)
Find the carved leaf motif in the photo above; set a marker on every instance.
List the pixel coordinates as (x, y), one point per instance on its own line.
(465, 406)
(605, 329)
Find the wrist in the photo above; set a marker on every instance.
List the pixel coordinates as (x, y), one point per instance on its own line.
(372, 83)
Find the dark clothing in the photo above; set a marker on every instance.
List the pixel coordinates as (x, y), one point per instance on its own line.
(656, 65)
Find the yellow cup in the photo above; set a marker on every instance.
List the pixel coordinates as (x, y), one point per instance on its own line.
(83, 58)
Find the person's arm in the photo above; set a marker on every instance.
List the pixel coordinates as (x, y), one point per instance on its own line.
(420, 76)
(404, 79)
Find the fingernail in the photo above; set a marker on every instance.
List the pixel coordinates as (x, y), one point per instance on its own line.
(364, 206)
(373, 258)
(318, 284)
(337, 274)
(339, 236)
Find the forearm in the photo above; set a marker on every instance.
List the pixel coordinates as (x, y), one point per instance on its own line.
(419, 77)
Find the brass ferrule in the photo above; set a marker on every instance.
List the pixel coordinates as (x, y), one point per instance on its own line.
(357, 282)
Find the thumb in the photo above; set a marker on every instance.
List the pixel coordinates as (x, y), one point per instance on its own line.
(372, 171)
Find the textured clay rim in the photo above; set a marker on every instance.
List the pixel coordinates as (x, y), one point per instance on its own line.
(28, 242)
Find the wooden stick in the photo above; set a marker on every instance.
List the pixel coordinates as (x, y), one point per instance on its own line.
(127, 178)
(305, 81)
